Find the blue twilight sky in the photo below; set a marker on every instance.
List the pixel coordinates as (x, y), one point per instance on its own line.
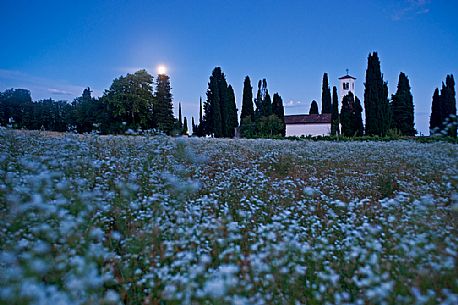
(56, 48)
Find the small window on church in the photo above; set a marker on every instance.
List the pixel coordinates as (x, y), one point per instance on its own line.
(353, 86)
(343, 86)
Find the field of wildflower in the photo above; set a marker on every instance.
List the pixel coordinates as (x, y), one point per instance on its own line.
(88, 219)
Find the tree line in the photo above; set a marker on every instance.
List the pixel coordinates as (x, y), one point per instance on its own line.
(268, 120)
(218, 114)
(443, 109)
(131, 102)
(385, 116)
(135, 101)
(382, 115)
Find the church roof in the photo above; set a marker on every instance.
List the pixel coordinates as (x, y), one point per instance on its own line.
(347, 77)
(308, 119)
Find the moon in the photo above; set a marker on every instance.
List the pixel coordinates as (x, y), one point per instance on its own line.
(161, 69)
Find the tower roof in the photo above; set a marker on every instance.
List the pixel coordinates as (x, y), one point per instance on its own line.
(347, 77)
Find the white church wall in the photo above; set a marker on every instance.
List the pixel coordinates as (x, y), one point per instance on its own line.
(307, 130)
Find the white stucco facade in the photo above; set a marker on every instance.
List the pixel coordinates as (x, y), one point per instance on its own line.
(307, 130)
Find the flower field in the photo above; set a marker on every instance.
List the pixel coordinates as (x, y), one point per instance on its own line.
(87, 219)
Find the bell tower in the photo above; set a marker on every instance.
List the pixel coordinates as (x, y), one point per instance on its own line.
(347, 85)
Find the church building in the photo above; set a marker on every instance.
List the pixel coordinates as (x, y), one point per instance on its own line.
(317, 124)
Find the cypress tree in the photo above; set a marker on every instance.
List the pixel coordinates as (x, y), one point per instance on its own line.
(222, 106)
(267, 105)
(223, 103)
(443, 109)
(346, 117)
(258, 100)
(3, 111)
(378, 114)
(358, 119)
(207, 120)
(279, 111)
(326, 95)
(212, 120)
(435, 121)
(220, 112)
(193, 126)
(313, 108)
(448, 98)
(402, 108)
(185, 126)
(200, 127)
(263, 101)
(163, 107)
(180, 122)
(448, 93)
(200, 111)
(335, 129)
(350, 116)
(232, 120)
(217, 120)
(247, 100)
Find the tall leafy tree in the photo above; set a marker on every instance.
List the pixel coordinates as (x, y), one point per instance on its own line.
(50, 115)
(269, 126)
(378, 113)
(279, 111)
(16, 105)
(247, 100)
(163, 104)
(313, 108)
(130, 99)
(326, 106)
(84, 112)
(335, 129)
(402, 108)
